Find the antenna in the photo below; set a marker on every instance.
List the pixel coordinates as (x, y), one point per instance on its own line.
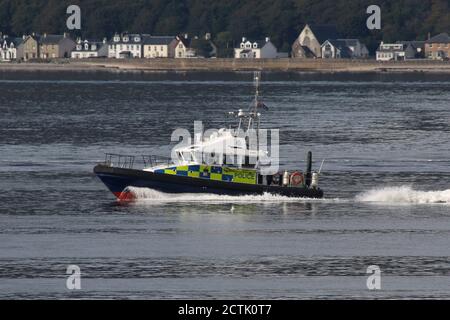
(254, 112)
(320, 169)
(256, 80)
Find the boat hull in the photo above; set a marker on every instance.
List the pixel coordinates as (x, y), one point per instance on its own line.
(118, 179)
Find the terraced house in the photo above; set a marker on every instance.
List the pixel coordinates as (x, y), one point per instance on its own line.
(55, 46)
(89, 48)
(438, 47)
(31, 47)
(159, 47)
(126, 45)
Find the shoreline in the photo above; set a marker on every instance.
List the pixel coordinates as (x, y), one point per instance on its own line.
(229, 65)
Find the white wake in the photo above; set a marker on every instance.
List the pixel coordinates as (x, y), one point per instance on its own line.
(404, 195)
(146, 194)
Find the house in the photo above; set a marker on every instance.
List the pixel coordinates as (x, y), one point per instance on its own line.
(438, 47)
(90, 49)
(183, 48)
(126, 46)
(55, 46)
(31, 47)
(260, 49)
(394, 52)
(343, 48)
(358, 49)
(159, 47)
(309, 42)
(414, 49)
(11, 48)
(335, 49)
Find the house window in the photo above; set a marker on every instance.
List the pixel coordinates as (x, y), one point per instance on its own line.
(162, 48)
(255, 45)
(242, 46)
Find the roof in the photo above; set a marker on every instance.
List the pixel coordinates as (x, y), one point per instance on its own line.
(350, 42)
(131, 38)
(322, 32)
(158, 40)
(440, 38)
(185, 41)
(260, 43)
(99, 45)
(15, 41)
(337, 43)
(415, 44)
(51, 38)
(389, 47)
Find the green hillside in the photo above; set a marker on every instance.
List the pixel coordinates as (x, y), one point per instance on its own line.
(228, 20)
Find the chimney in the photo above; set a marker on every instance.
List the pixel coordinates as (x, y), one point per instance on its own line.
(429, 35)
(104, 40)
(267, 39)
(45, 35)
(24, 37)
(244, 39)
(186, 35)
(65, 34)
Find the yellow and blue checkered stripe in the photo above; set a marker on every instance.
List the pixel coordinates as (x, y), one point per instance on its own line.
(213, 173)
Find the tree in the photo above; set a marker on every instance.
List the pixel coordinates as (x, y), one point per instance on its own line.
(224, 43)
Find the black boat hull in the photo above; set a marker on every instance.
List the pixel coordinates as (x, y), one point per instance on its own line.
(118, 179)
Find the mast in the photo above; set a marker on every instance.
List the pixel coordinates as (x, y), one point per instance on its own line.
(254, 112)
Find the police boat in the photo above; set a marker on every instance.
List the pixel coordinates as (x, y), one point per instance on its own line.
(224, 163)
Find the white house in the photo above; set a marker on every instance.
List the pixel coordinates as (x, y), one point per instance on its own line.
(159, 47)
(261, 49)
(125, 46)
(183, 48)
(11, 49)
(394, 51)
(90, 49)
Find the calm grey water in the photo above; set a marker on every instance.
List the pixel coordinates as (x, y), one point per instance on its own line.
(386, 180)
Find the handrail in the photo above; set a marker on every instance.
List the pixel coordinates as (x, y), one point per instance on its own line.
(119, 160)
(127, 161)
(156, 160)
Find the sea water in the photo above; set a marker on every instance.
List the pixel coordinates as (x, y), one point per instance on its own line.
(386, 178)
